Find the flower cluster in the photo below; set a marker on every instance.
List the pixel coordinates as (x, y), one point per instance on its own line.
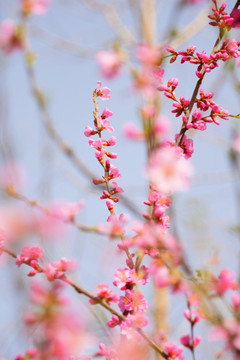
(171, 349)
(193, 316)
(30, 256)
(29, 354)
(204, 103)
(224, 282)
(57, 330)
(104, 293)
(57, 269)
(229, 49)
(220, 17)
(127, 278)
(101, 123)
(159, 203)
(150, 74)
(228, 330)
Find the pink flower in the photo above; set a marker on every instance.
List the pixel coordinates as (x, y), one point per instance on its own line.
(2, 240)
(109, 63)
(126, 277)
(193, 300)
(159, 201)
(56, 270)
(132, 132)
(115, 225)
(103, 92)
(173, 351)
(66, 211)
(196, 341)
(148, 55)
(10, 39)
(89, 131)
(161, 275)
(224, 282)
(105, 351)
(96, 144)
(186, 145)
(116, 189)
(168, 170)
(229, 331)
(235, 15)
(114, 322)
(105, 124)
(106, 113)
(136, 321)
(104, 293)
(193, 316)
(40, 295)
(114, 173)
(186, 341)
(37, 7)
(162, 126)
(133, 301)
(173, 83)
(29, 255)
(29, 354)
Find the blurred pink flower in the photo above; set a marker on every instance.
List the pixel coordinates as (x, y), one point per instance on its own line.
(131, 131)
(168, 170)
(37, 7)
(173, 351)
(109, 63)
(56, 270)
(29, 254)
(236, 143)
(187, 342)
(66, 211)
(224, 282)
(2, 240)
(10, 38)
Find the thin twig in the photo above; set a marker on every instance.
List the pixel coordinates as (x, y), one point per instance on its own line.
(111, 15)
(34, 203)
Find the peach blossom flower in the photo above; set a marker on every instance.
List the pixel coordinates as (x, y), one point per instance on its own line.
(168, 170)
(109, 63)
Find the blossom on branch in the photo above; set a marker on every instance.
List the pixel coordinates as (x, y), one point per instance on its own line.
(168, 170)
